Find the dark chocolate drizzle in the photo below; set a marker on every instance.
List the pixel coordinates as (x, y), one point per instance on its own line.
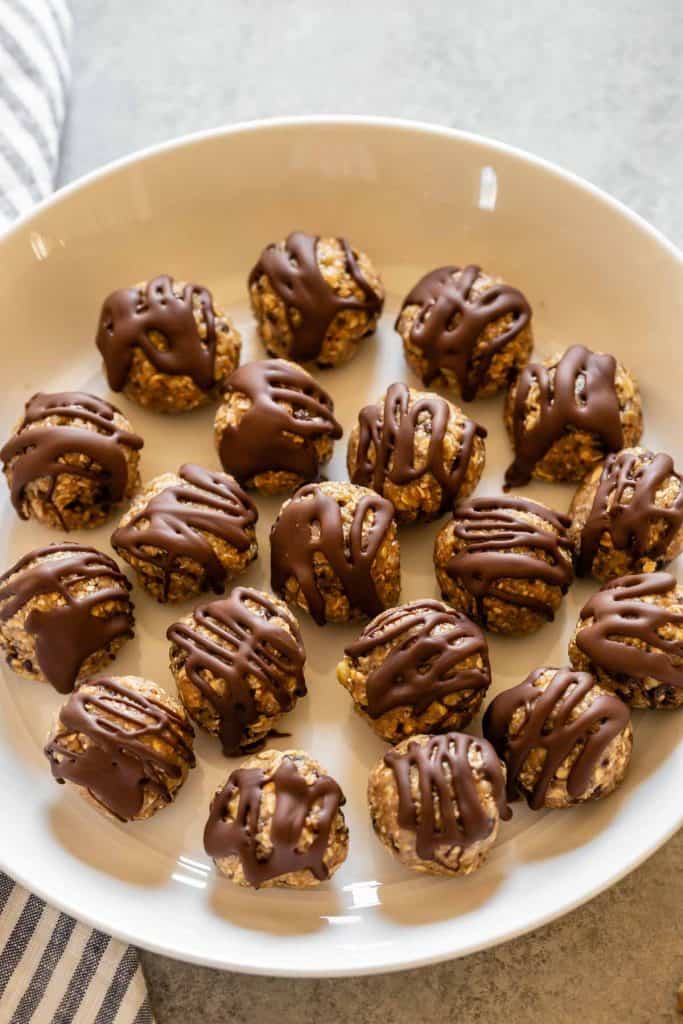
(625, 507)
(262, 441)
(242, 643)
(293, 546)
(295, 799)
(38, 451)
(68, 633)
(450, 324)
(386, 444)
(174, 523)
(491, 529)
(580, 393)
(128, 316)
(119, 762)
(423, 665)
(548, 726)
(296, 278)
(446, 779)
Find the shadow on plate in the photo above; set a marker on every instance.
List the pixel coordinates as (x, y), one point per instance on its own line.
(275, 912)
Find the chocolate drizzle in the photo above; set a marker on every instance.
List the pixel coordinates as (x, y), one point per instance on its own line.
(625, 507)
(295, 276)
(173, 521)
(128, 317)
(450, 811)
(295, 800)
(135, 744)
(386, 443)
(450, 324)
(491, 530)
(242, 643)
(311, 523)
(288, 413)
(70, 632)
(579, 394)
(620, 614)
(549, 726)
(37, 452)
(430, 643)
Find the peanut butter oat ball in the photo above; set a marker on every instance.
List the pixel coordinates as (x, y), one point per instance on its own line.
(125, 743)
(71, 459)
(315, 299)
(418, 450)
(238, 664)
(564, 738)
(276, 427)
(630, 635)
(505, 562)
(188, 532)
(627, 515)
(567, 413)
(334, 552)
(278, 822)
(465, 331)
(419, 668)
(65, 612)
(166, 345)
(436, 802)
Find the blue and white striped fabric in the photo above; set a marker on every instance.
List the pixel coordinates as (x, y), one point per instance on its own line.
(53, 970)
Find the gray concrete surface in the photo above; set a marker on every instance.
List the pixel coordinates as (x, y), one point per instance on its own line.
(597, 87)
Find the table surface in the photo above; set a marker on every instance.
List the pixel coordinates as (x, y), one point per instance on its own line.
(596, 87)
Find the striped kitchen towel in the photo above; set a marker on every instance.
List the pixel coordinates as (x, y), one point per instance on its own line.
(53, 970)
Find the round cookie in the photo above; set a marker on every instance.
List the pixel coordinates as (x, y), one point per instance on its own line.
(627, 515)
(276, 426)
(315, 298)
(165, 345)
(418, 450)
(335, 553)
(71, 459)
(238, 665)
(505, 562)
(187, 532)
(278, 822)
(630, 635)
(564, 738)
(565, 414)
(419, 668)
(465, 331)
(65, 612)
(125, 743)
(436, 802)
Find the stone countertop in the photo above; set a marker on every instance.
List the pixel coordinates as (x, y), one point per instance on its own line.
(596, 87)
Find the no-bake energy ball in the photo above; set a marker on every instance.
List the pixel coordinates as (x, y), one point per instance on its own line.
(238, 664)
(627, 515)
(419, 668)
(465, 331)
(125, 743)
(65, 612)
(276, 427)
(165, 345)
(436, 802)
(566, 414)
(418, 450)
(564, 738)
(71, 459)
(630, 635)
(335, 552)
(505, 562)
(315, 298)
(278, 822)
(188, 532)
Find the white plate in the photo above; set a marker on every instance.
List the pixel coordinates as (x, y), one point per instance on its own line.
(415, 197)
